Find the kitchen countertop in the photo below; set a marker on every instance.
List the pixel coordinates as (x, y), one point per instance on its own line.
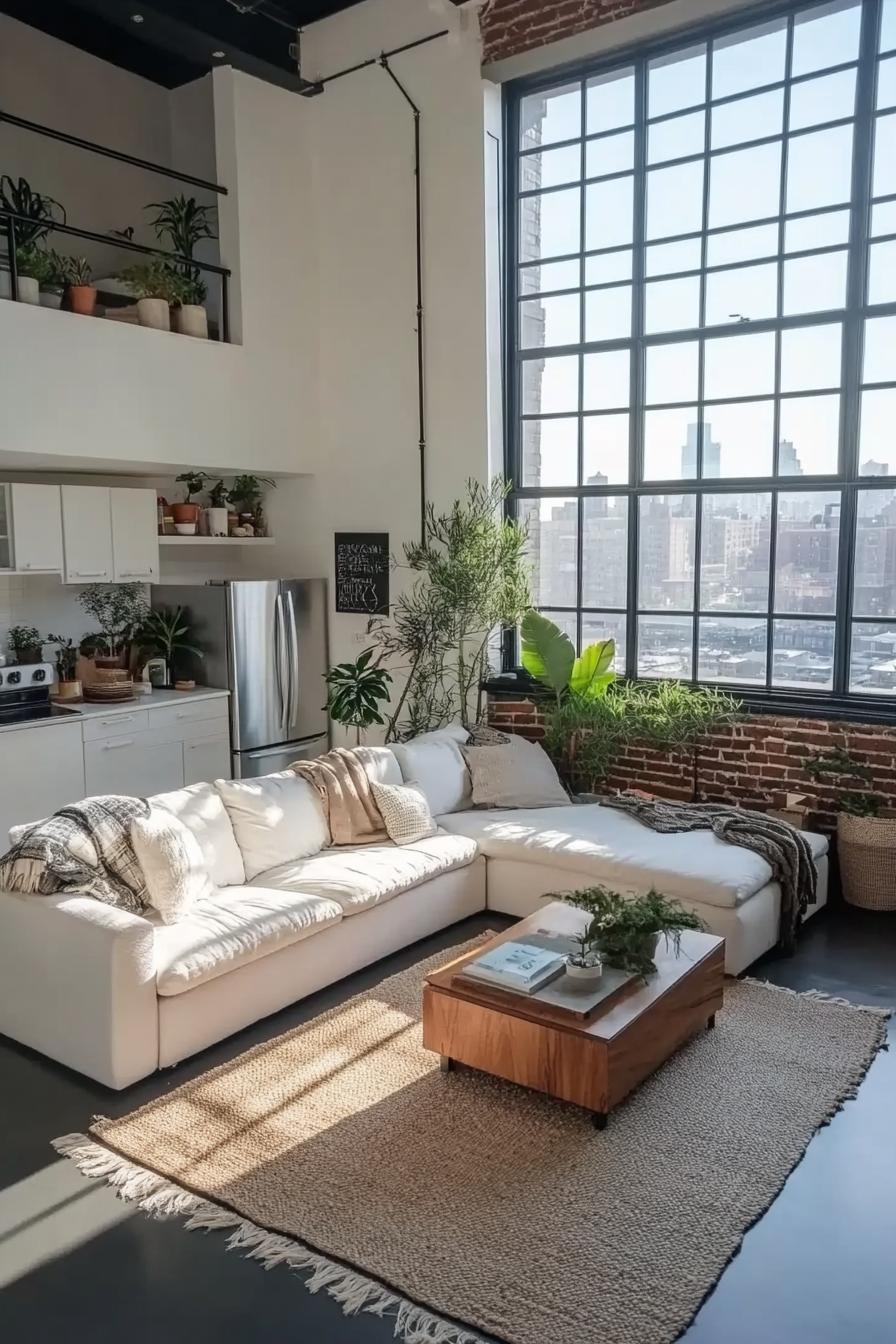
(158, 699)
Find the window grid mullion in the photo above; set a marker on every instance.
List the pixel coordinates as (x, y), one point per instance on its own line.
(637, 370)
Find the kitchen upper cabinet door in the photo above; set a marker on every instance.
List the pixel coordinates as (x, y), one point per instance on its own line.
(43, 770)
(87, 534)
(37, 528)
(135, 536)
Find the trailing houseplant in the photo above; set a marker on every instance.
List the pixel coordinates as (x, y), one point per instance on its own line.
(866, 841)
(356, 692)
(25, 643)
(471, 583)
(626, 929)
(165, 632)
(119, 610)
(184, 223)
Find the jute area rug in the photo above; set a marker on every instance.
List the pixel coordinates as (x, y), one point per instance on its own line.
(457, 1204)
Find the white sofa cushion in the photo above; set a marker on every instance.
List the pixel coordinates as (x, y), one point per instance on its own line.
(361, 876)
(200, 808)
(615, 849)
(405, 812)
(380, 764)
(275, 818)
(235, 926)
(435, 764)
(172, 863)
(518, 774)
(454, 732)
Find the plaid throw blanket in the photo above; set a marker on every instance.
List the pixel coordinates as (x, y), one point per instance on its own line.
(85, 847)
(785, 849)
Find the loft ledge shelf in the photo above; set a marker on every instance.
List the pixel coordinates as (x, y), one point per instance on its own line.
(216, 541)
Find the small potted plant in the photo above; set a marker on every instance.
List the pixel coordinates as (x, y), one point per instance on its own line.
(67, 654)
(164, 633)
(52, 287)
(625, 930)
(186, 515)
(81, 293)
(866, 841)
(33, 270)
(216, 513)
(356, 692)
(25, 644)
(190, 317)
(119, 610)
(584, 966)
(184, 223)
(247, 491)
(41, 212)
(155, 287)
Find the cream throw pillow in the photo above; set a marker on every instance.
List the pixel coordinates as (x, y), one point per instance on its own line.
(172, 864)
(518, 775)
(405, 812)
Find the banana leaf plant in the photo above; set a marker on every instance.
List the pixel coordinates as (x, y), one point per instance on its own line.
(549, 656)
(356, 692)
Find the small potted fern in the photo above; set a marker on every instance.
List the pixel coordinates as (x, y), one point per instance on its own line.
(626, 930)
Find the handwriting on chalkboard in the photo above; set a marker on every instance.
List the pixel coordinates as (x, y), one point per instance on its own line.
(362, 573)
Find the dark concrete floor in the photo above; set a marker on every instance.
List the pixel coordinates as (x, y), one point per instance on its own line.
(817, 1269)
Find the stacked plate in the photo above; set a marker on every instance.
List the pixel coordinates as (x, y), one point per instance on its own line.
(110, 692)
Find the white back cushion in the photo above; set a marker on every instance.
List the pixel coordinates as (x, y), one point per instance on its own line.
(379, 764)
(455, 732)
(276, 818)
(201, 810)
(172, 863)
(435, 764)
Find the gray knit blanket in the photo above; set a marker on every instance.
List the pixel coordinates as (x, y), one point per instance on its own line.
(85, 847)
(785, 849)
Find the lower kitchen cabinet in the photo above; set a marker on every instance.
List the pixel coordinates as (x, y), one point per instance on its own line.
(207, 759)
(42, 770)
(131, 766)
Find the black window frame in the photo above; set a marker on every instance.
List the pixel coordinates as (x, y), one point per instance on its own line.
(840, 701)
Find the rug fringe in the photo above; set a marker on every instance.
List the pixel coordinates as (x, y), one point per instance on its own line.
(818, 995)
(162, 1199)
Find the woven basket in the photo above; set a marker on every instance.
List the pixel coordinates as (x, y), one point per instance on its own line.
(867, 850)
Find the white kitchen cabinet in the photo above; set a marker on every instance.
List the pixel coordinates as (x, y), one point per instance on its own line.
(36, 528)
(135, 535)
(207, 759)
(135, 765)
(42, 770)
(87, 534)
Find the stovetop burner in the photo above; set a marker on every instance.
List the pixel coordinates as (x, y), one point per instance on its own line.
(25, 693)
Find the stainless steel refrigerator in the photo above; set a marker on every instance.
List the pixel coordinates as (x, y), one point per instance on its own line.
(266, 641)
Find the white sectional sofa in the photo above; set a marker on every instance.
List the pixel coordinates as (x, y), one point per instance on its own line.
(117, 996)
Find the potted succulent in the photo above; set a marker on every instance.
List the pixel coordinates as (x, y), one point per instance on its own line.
(119, 610)
(866, 841)
(216, 513)
(41, 213)
(81, 293)
(247, 491)
(67, 654)
(186, 515)
(356, 691)
(625, 930)
(25, 643)
(183, 222)
(155, 287)
(163, 633)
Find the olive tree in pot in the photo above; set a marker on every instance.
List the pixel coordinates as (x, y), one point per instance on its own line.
(866, 841)
(119, 610)
(184, 223)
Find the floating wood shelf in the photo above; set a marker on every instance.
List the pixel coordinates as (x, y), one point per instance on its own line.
(216, 541)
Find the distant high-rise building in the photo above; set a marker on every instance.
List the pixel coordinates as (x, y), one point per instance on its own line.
(789, 463)
(712, 454)
(872, 468)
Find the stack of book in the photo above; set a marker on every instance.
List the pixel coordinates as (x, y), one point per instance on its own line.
(522, 968)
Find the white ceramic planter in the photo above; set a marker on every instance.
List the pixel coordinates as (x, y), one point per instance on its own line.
(51, 298)
(584, 977)
(216, 520)
(154, 313)
(29, 289)
(190, 319)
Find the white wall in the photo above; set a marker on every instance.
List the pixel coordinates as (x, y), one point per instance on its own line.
(366, 471)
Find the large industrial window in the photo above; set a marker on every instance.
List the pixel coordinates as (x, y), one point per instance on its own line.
(702, 339)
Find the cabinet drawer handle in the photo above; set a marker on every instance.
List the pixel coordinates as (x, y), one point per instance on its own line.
(91, 573)
(117, 746)
(122, 718)
(144, 574)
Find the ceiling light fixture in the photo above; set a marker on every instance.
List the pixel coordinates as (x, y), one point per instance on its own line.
(219, 55)
(136, 18)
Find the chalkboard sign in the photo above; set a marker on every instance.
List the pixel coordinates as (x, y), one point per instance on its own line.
(362, 573)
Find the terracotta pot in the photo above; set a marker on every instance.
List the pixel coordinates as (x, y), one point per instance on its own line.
(154, 313)
(82, 299)
(190, 320)
(185, 513)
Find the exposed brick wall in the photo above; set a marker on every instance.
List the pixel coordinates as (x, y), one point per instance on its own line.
(510, 27)
(747, 764)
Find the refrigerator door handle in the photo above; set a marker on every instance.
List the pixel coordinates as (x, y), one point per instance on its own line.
(293, 645)
(281, 658)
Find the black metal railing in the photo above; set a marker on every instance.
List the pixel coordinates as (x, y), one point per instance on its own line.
(9, 219)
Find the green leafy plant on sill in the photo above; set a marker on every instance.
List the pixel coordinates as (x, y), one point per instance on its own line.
(155, 280)
(549, 656)
(840, 770)
(164, 632)
(249, 491)
(218, 496)
(25, 642)
(357, 690)
(624, 930)
(66, 657)
(184, 223)
(119, 610)
(77, 271)
(193, 482)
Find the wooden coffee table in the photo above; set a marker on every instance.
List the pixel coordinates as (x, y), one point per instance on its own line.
(595, 1063)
